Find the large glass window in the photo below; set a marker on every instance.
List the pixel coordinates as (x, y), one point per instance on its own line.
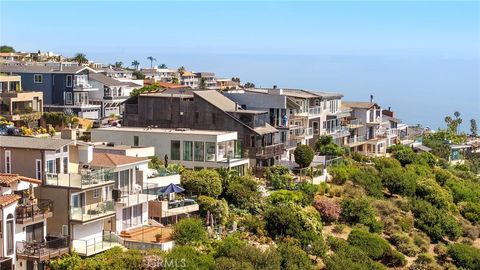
(238, 149)
(199, 151)
(230, 149)
(51, 166)
(210, 150)
(222, 151)
(188, 150)
(175, 150)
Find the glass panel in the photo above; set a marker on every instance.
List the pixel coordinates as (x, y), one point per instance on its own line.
(187, 150)
(230, 148)
(199, 151)
(210, 149)
(239, 149)
(222, 150)
(175, 150)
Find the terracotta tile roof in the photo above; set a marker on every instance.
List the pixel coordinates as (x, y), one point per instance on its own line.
(114, 160)
(6, 179)
(8, 199)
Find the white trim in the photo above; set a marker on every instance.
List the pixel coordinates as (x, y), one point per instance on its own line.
(38, 169)
(8, 164)
(68, 100)
(40, 76)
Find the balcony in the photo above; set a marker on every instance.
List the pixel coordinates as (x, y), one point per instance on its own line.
(43, 251)
(80, 83)
(134, 198)
(94, 245)
(265, 152)
(92, 211)
(88, 179)
(315, 111)
(291, 144)
(26, 214)
(357, 140)
(302, 132)
(163, 208)
(352, 124)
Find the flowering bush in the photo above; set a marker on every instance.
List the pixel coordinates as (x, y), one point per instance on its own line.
(329, 209)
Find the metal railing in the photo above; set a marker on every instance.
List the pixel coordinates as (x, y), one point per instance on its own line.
(87, 247)
(291, 143)
(43, 250)
(83, 180)
(134, 197)
(92, 211)
(40, 210)
(266, 151)
(181, 203)
(354, 123)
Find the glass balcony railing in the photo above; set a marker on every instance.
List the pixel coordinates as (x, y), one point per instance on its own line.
(355, 140)
(94, 245)
(315, 111)
(182, 203)
(92, 211)
(90, 178)
(354, 123)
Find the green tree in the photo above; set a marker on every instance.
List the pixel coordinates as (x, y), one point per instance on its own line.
(404, 154)
(151, 59)
(326, 146)
(138, 75)
(368, 178)
(118, 64)
(181, 69)
(135, 64)
(146, 89)
(6, 49)
(68, 262)
(204, 182)
(218, 208)
(163, 66)
(249, 85)
(175, 79)
(203, 83)
(303, 155)
(360, 211)
(397, 181)
(189, 231)
(429, 190)
(473, 127)
(243, 192)
(80, 58)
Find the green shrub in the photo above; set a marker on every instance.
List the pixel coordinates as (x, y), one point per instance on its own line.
(243, 192)
(360, 211)
(429, 190)
(189, 231)
(303, 155)
(394, 258)
(204, 182)
(464, 256)
(253, 224)
(471, 211)
(349, 257)
(375, 246)
(398, 181)
(189, 258)
(404, 244)
(283, 196)
(368, 178)
(293, 257)
(218, 208)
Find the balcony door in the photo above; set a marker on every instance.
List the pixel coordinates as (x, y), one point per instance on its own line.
(35, 232)
(78, 202)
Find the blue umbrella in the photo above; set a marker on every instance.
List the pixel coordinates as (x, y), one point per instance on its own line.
(172, 188)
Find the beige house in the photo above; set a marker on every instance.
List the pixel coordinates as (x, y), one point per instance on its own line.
(17, 105)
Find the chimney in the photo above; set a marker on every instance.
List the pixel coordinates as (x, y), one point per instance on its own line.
(371, 98)
(389, 108)
(61, 66)
(69, 134)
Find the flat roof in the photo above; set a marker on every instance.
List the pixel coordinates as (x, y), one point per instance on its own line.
(167, 130)
(120, 146)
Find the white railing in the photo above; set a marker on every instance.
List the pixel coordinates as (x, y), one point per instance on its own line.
(357, 139)
(315, 111)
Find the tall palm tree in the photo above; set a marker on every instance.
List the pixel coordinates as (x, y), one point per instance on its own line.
(135, 63)
(181, 69)
(80, 58)
(151, 59)
(162, 66)
(118, 64)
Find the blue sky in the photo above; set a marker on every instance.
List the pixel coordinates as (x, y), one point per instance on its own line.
(421, 58)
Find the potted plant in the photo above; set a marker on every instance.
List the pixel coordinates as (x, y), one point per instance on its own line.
(158, 237)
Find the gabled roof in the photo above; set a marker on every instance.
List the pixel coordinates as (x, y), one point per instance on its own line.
(113, 160)
(6, 200)
(6, 179)
(108, 81)
(359, 105)
(33, 142)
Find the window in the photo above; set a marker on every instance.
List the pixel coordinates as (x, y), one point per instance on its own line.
(316, 130)
(188, 150)
(197, 116)
(65, 230)
(135, 140)
(213, 118)
(97, 192)
(65, 148)
(38, 168)
(51, 166)
(137, 214)
(68, 97)
(9, 231)
(8, 161)
(38, 78)
(199, 151)
(210, 150)
(175, 150)
(69, 80)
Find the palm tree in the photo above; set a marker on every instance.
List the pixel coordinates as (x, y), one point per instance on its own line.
(203, 83)
(151, 59)
(135, 63)
(162, 66)
(181, 69)
(118, 64)
(80, 58)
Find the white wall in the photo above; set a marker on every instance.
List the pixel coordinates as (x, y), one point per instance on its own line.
(88, 231)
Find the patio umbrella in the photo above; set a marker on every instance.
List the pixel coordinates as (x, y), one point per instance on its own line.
(172, 188)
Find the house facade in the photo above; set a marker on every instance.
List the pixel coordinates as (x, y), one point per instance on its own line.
(208, 110)
(63, 88)
(112, 93)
